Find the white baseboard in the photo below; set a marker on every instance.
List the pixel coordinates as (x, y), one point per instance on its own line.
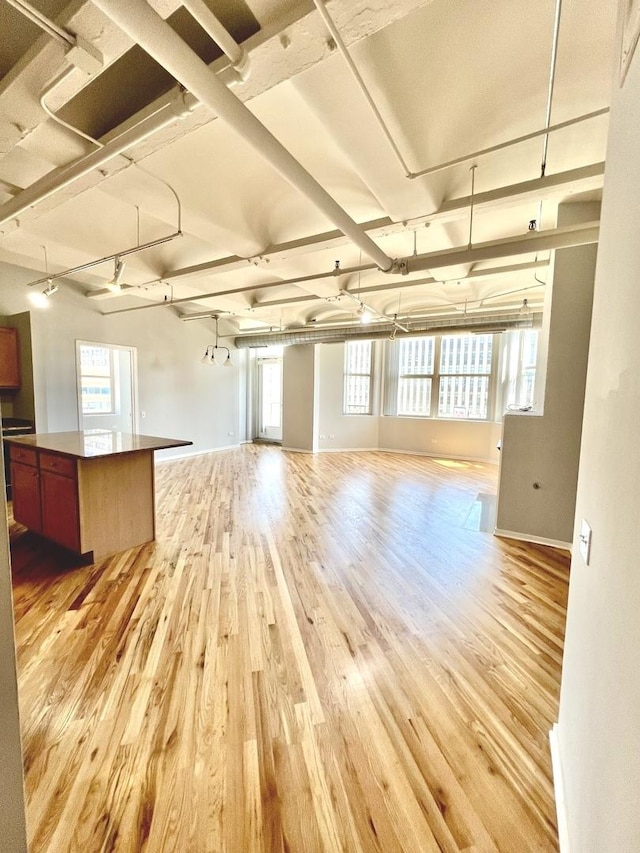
(536, 540)
(433, 455)
(558, 785)
(174, 456)
(347, 450)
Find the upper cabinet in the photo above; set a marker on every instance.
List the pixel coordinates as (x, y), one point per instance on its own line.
(9, 360)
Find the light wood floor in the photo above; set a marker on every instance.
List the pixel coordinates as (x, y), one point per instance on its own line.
(319, 653)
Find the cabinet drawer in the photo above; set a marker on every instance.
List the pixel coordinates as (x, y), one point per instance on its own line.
(23, 454)
(59, 464)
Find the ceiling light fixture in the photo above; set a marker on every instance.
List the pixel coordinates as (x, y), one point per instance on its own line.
(209, 356)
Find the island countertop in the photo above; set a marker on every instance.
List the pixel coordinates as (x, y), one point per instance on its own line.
(89, 444)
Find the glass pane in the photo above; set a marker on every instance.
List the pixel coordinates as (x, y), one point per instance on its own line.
(466, 354)
(358, 357)
(96, 395)
(416, 356)
(463, 397)
(95, 361)
(271, 395)
(530, 348)
(357, 395)
(414, 396)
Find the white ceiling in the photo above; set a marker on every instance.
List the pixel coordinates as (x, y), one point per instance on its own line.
(448, 76)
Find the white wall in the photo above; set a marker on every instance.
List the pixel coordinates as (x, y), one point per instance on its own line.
(599, 723)
(337, 430)
(180, 396)
(431, 436)
(434, 437)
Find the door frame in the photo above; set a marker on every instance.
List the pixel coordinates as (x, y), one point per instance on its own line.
(133, 353)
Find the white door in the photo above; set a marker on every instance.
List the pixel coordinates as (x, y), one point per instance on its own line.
(106, 386)
(270, 398)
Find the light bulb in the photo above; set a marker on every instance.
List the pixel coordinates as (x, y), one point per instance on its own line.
(38, 299)
(366, 317)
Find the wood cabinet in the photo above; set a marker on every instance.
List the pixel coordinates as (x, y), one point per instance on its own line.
(59, 501)
(9, 359)
(91, 492)
(25, 481)
(91, 506)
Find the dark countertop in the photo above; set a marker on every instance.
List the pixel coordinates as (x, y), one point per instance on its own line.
(93, 443)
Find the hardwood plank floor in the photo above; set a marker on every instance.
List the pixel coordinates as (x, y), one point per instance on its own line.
(318, 653)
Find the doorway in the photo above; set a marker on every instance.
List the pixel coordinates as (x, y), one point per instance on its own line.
(107, 386)
(269, 365)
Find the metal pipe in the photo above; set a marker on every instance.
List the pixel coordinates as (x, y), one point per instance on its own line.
(49, 27)
(487, 323)
(50, 87)
(236, 54)
(117, 256)
(552, 77)
(155, 36)
(326, 17)
(58, 179)
(515, 141)
(558, 238)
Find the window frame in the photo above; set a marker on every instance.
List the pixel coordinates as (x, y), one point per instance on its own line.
(346, 373)
(393, 377)
(111, 377)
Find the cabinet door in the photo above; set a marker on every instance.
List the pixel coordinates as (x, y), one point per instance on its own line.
(25, 488)
(60, 521)
(9, 365)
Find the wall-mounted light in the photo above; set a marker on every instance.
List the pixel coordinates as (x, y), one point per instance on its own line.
(209, 356)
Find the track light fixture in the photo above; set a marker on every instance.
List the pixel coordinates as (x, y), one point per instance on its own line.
(118, 270)
(209, 356)
(365, 314)
(525, 308)
(40, 298)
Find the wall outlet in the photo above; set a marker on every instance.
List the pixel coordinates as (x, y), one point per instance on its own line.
(585, 541)
(322, 435)
(331, 435)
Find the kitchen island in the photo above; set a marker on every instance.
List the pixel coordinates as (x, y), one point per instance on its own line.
(92, 492)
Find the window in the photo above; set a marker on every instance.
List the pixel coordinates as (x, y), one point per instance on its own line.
(527, 376)
(358, 357)
(415, 376)
(96, 380)
(519, 368)
(465, 374)
(440, 377)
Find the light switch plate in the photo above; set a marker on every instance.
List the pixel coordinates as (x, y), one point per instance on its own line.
(585, 541)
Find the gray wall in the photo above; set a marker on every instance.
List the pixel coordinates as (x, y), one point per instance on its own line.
(544, 448)
(300, 398)
(599, 723)
(12, 820)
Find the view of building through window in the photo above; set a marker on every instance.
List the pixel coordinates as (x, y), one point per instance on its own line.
(415, 376)
(465, 371)
(96, 379)
(357, 377)
(448, 376)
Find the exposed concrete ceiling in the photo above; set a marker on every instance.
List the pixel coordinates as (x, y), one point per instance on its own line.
(449, 77)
